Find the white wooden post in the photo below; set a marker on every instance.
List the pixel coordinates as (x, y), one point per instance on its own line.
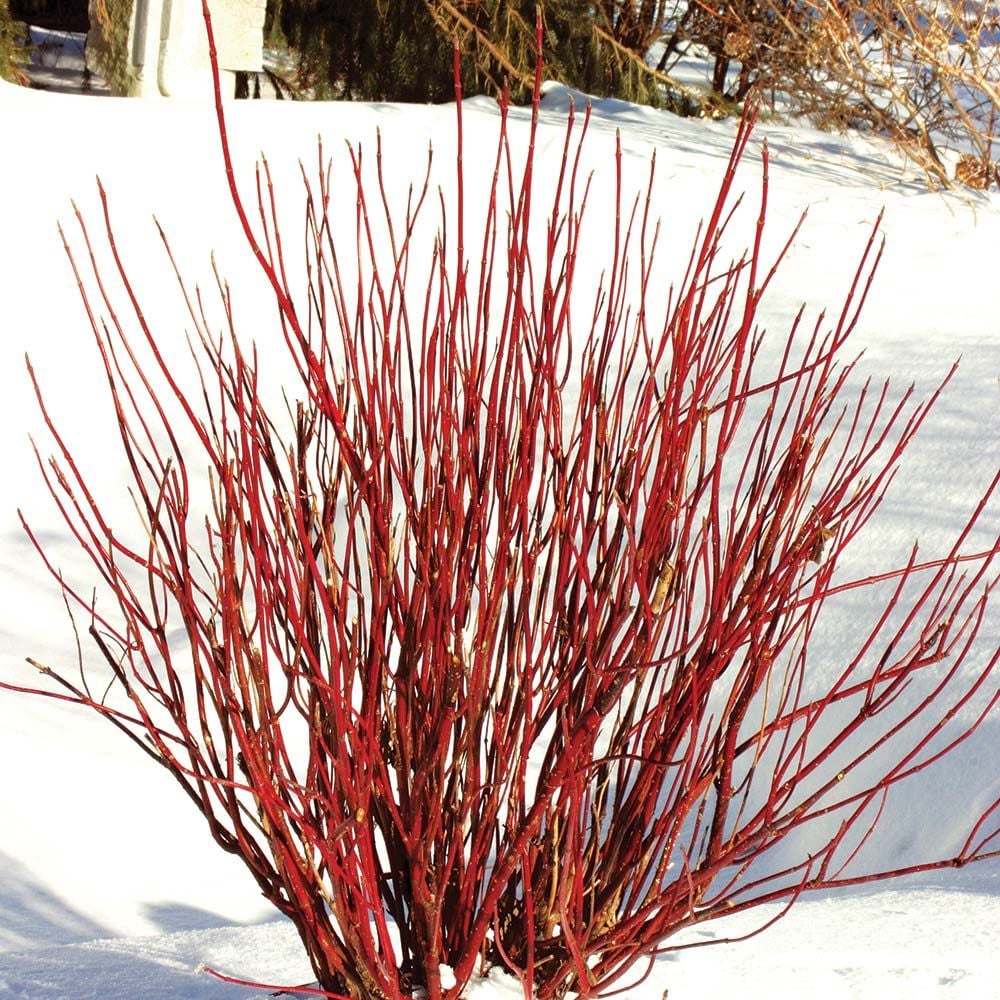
(169, 47)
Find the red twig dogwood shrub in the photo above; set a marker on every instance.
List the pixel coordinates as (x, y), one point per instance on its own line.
(496, 632)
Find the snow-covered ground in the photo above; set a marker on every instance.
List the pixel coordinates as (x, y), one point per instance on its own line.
(57, 63)
(109, 886)
(910, 944)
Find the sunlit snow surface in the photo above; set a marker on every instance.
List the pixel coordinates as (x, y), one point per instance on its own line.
(109, 885)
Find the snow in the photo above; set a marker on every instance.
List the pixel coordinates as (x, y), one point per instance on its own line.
(917, 943)
(58, 64)
(109, 885)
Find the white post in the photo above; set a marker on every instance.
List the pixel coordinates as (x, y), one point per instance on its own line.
(169, 47)
(144, 48)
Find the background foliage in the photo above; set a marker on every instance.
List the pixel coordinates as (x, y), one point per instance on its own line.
(923, 75)
(377, 50)
(107, 42)
(13, 38)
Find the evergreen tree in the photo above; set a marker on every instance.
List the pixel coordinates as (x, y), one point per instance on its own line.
(107, 43)
(401, 49)
(13, 46)
(63, 15)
